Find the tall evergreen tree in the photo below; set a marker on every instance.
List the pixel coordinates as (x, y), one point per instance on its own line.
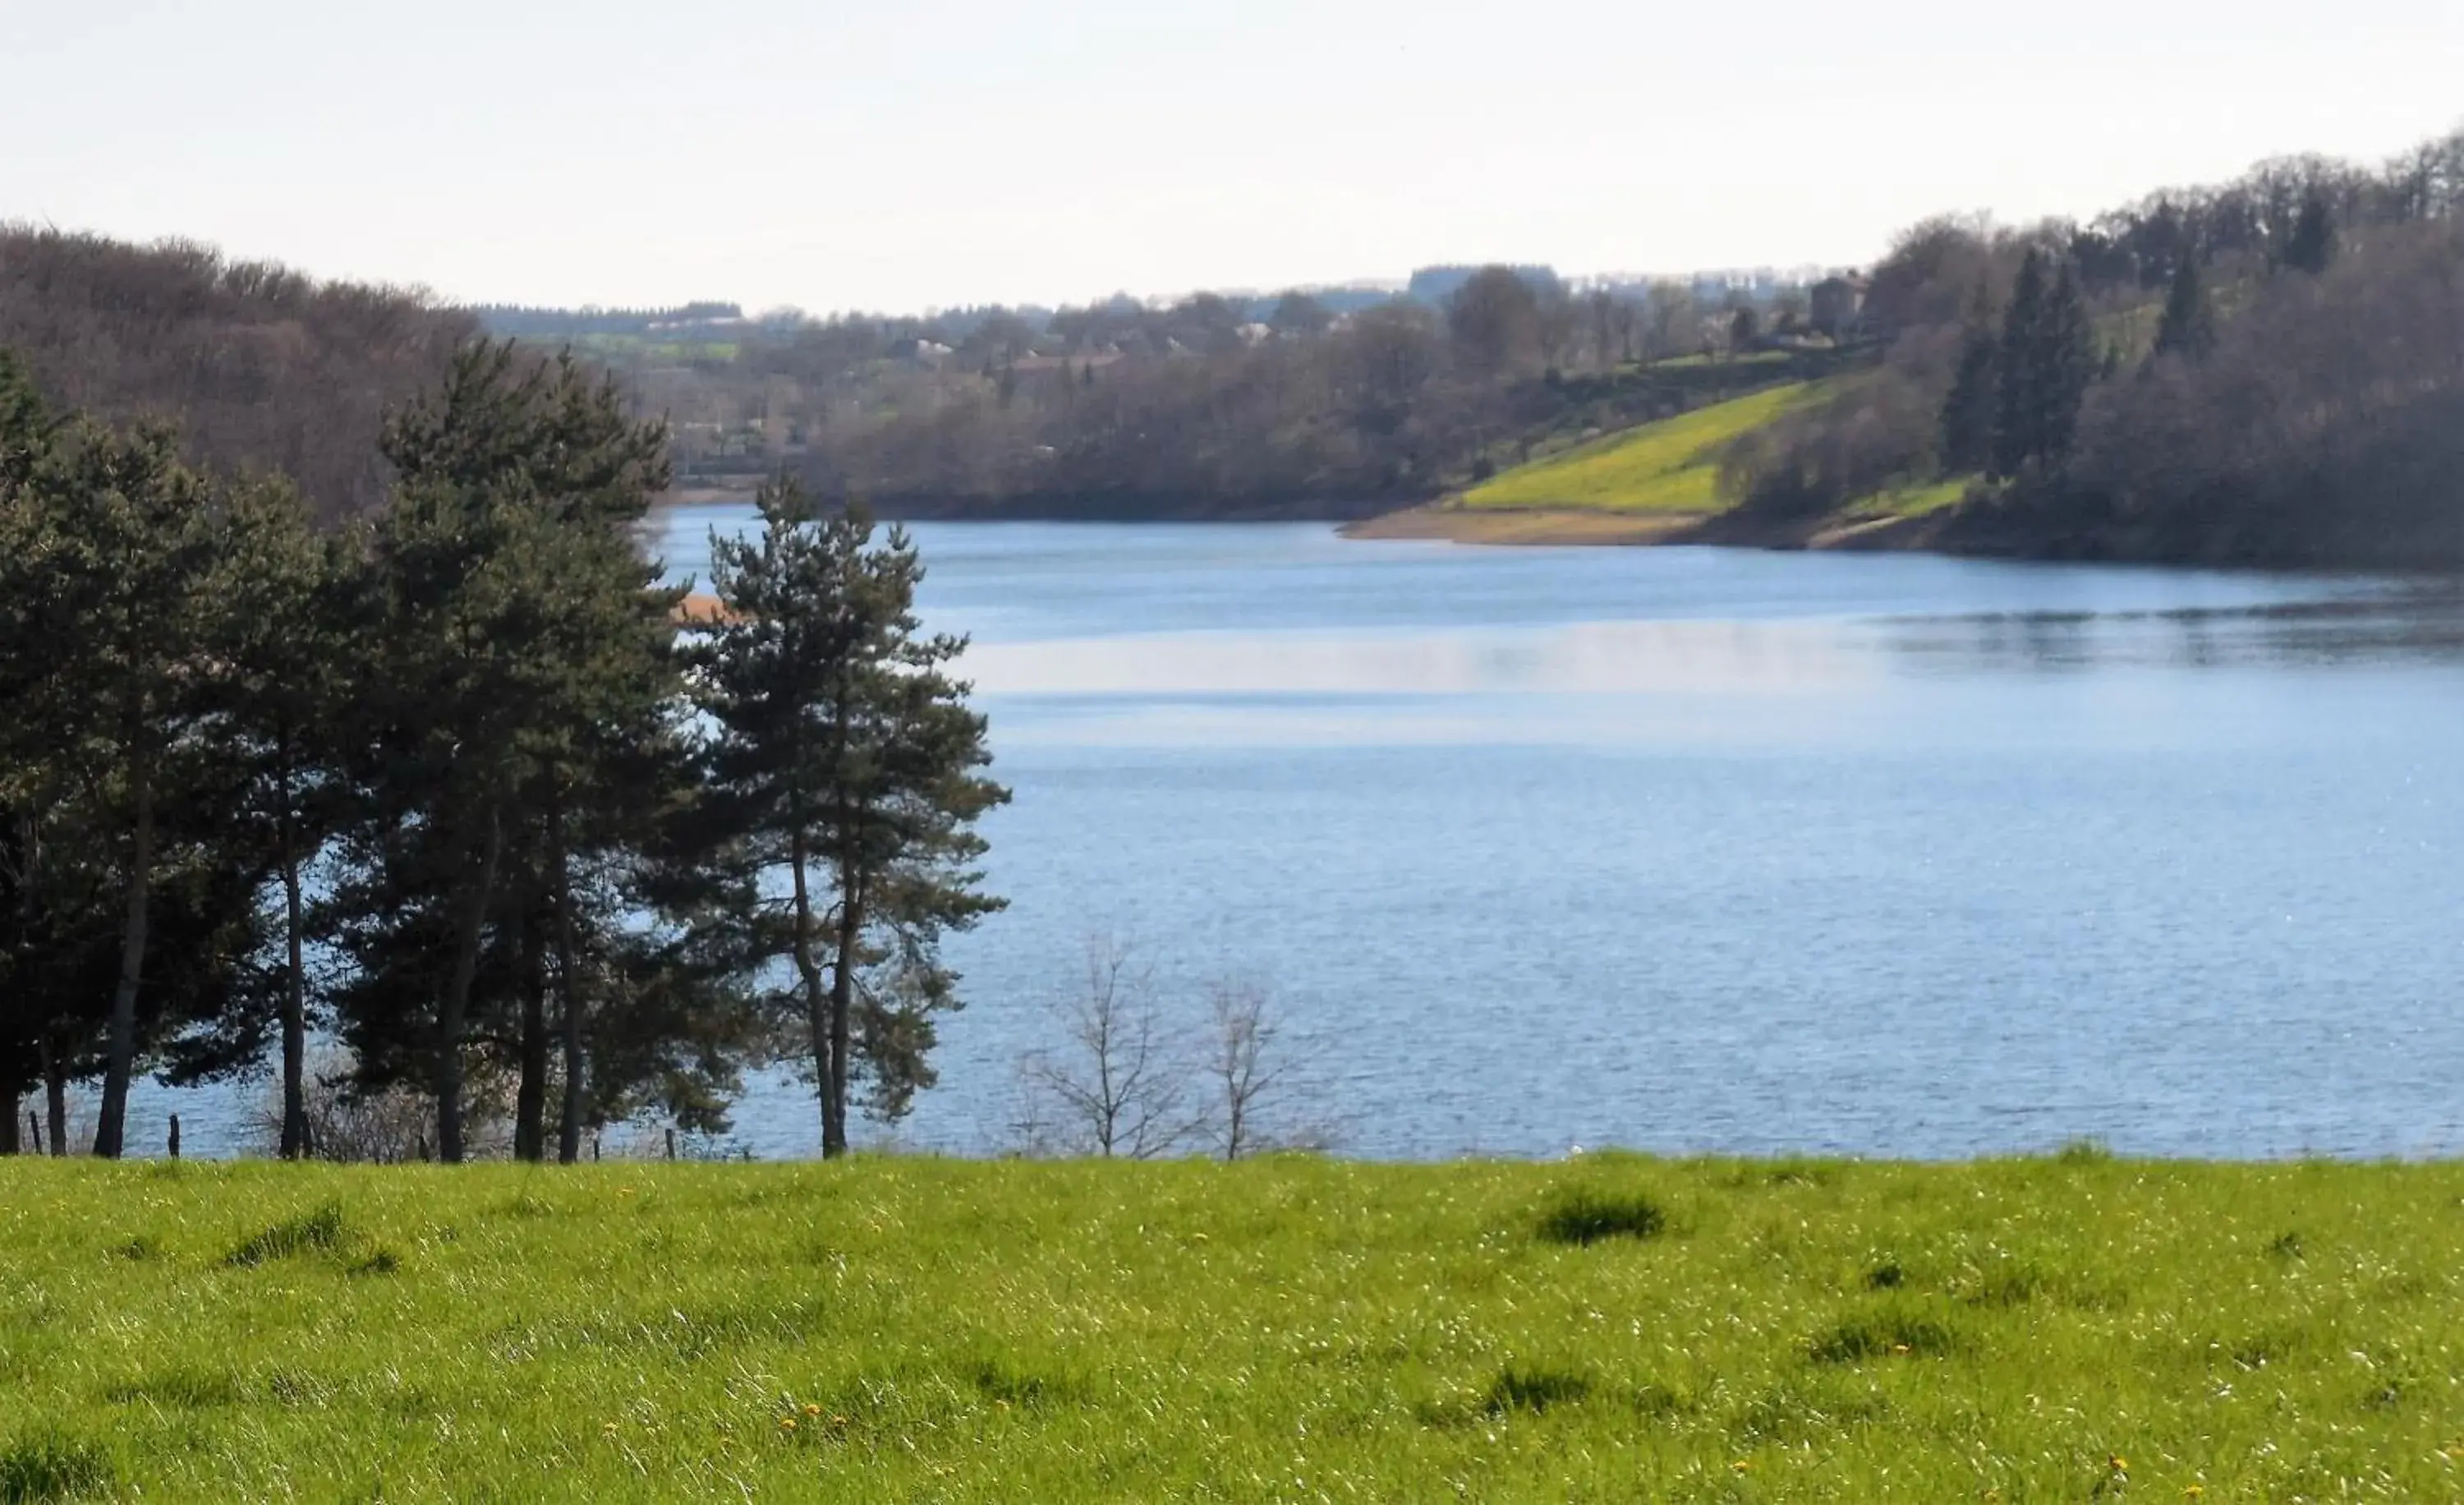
(114, 535)
(131, 912)
(2047, 359)
(284, 637)
(2016, 438)
(1969, 412)
(2311, 247)
(26, 429)
(2187, 328)
(845, 754)
(2068, 363)
(527, 642)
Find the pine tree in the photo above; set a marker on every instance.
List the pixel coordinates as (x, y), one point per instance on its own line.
(2187, 328)
(26, 431)
(2311, 248)
(2047, 359)
(845, 754)
(112, 538)
(522, 628)
(1967, 414)
(2068, 363)
(2017, 437)
(284, 639)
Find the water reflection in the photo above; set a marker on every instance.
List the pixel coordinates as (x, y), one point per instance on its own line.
(2414, 624)
(1739, 657)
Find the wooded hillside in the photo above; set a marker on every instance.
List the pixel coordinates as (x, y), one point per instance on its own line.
(262, 368)
(2268, 371)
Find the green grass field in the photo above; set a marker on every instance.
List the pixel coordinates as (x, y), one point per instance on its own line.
(1610, 1328)
(1671, 466)
(1915, 500)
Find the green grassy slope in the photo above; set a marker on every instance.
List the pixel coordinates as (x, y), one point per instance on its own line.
(1668, 466)
(1294, 1330)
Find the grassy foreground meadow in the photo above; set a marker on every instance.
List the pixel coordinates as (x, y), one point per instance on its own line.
(1609, 1328)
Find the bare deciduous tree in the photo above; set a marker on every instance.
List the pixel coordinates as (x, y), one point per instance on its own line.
(1243, 1066)
(1261, 1075)
(1116, 1087)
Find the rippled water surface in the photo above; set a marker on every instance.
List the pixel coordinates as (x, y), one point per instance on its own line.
(1712, 849)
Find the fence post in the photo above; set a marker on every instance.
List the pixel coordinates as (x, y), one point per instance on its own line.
(175, 1135)
(671, 1144)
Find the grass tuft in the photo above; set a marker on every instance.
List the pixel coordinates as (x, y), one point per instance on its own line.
(1534, 1390)
(319, 1231)
(50, 1466)
(1886, 1335)
(177, 1389)
(1587, 1217)
(382, 1261)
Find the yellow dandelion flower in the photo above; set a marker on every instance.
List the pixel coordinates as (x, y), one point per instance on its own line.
(1742, 1465)
(810, 1409)
(2194, 1490)
(2118, 1463)
(786, 1423)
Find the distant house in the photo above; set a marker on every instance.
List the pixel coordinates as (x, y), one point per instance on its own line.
(1836, 304)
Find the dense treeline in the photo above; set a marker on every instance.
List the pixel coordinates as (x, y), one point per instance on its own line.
(520, 321)
(265, 369)
(1340, 401)
(454, 787)
(2270, 371)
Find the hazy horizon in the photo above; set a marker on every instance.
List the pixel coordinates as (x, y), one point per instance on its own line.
(957, 153)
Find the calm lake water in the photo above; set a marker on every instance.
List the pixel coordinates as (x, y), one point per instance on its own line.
(1713, 849)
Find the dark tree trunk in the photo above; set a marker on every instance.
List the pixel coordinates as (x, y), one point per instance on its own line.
(834, 1077)
(56, 1095)
(29, 854)
(530, 1095)
(454, 1008)
(10, 1141)
(816, 999)
(568, 981)
(842, 1011)
(119, 1059)
(294, 994)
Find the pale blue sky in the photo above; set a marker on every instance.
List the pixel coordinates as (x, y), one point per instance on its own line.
(931, 153)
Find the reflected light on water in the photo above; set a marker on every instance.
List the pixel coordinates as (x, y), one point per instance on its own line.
(1577, 658)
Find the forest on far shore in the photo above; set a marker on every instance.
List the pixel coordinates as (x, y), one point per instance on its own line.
(2265, 370)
